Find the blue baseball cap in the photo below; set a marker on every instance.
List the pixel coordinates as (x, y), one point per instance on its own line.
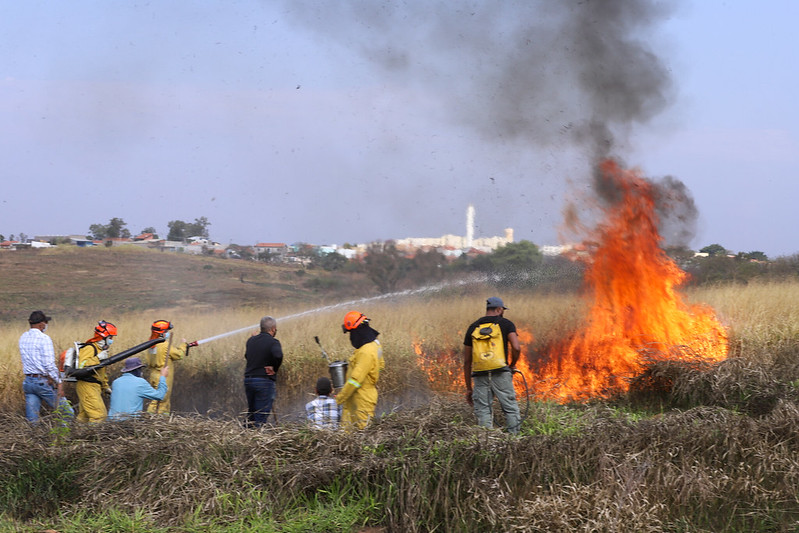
(494, 302)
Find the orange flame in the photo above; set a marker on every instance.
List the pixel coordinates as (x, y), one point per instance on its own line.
(635, 311)
(444, 368)
(634, 305)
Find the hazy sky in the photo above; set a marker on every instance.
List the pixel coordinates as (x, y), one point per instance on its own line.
(354, 121)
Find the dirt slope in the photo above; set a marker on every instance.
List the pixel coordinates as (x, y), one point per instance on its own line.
(73, 281)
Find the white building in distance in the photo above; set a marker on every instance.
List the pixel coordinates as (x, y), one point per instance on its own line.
(484, 244)
(458, 242)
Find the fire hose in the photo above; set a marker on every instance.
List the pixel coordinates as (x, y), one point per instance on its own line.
(526, 395)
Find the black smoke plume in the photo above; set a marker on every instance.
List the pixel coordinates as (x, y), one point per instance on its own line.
(570, 74)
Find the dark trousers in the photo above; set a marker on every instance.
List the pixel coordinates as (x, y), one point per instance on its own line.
(260, 397)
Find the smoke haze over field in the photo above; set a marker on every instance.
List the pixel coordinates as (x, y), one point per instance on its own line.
(534, 72)
(377, 120)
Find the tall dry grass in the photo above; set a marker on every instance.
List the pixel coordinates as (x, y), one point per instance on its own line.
(762, 319)
(719, 455)
(704, 470)
(209, 380)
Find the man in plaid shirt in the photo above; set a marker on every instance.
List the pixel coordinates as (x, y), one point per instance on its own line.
(323, 412)
(42, 381)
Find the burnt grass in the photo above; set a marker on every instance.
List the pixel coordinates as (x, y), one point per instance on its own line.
(689, 448)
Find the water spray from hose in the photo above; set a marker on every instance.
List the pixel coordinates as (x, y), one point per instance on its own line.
(351, 303)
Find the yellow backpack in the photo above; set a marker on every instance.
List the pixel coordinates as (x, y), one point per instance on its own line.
(488, 349)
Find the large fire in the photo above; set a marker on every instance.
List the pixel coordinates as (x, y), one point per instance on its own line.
(635, 312)
(634, 305)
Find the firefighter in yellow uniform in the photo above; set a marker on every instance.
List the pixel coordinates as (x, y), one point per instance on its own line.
(156, 359)
(359, 394)
(90, 389)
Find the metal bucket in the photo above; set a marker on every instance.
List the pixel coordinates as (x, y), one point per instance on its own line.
(338, 373)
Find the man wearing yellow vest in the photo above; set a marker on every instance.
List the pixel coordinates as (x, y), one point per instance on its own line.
(90, 388)
(156, 359)
(485, 361)
(359, 394)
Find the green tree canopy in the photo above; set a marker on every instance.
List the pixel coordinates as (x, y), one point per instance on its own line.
(180, 230)
(517, 256)
(332, 261)
(714, 250)
(113, 230)
(513, 257)
(755, 256)
(150, 229)
(198, 228)
(177, 230)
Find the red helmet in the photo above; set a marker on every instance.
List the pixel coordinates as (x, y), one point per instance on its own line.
(105, 329)
(160, 327)
(352, 320)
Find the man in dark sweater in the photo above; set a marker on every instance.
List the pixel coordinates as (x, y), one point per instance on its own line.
(264, 356)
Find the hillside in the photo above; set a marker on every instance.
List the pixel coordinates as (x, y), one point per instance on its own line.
(71, 281)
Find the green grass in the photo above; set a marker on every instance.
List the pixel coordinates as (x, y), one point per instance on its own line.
(326, 511)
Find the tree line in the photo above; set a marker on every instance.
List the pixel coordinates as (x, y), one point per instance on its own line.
(522, 265)
(179, 230)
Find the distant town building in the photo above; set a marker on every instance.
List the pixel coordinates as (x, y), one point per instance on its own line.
(450, 243)
(483, 244)
(277, 250)
(349, 253)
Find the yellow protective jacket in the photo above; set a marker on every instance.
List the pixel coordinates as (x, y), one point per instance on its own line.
(91, 406)
(359, 394)
(88, 356)
(156, 356)
(154, 359)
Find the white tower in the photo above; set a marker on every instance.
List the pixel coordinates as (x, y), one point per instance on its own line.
(469, 225)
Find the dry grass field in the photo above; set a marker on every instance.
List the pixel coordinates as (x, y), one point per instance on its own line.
(690, 447)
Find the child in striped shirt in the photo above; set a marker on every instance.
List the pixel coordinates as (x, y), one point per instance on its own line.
(323, 412)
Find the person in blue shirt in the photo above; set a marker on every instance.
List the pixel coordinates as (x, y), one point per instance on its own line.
(129, 390)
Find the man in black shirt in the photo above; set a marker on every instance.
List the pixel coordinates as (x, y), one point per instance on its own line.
(264, 356)
(486, 362)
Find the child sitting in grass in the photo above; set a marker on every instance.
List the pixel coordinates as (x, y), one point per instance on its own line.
(323, 412)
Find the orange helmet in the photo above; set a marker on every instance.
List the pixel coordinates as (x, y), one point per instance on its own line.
(103, 330)
(160, 327)
(352, 320)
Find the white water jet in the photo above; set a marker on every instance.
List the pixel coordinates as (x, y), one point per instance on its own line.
(351, 303)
